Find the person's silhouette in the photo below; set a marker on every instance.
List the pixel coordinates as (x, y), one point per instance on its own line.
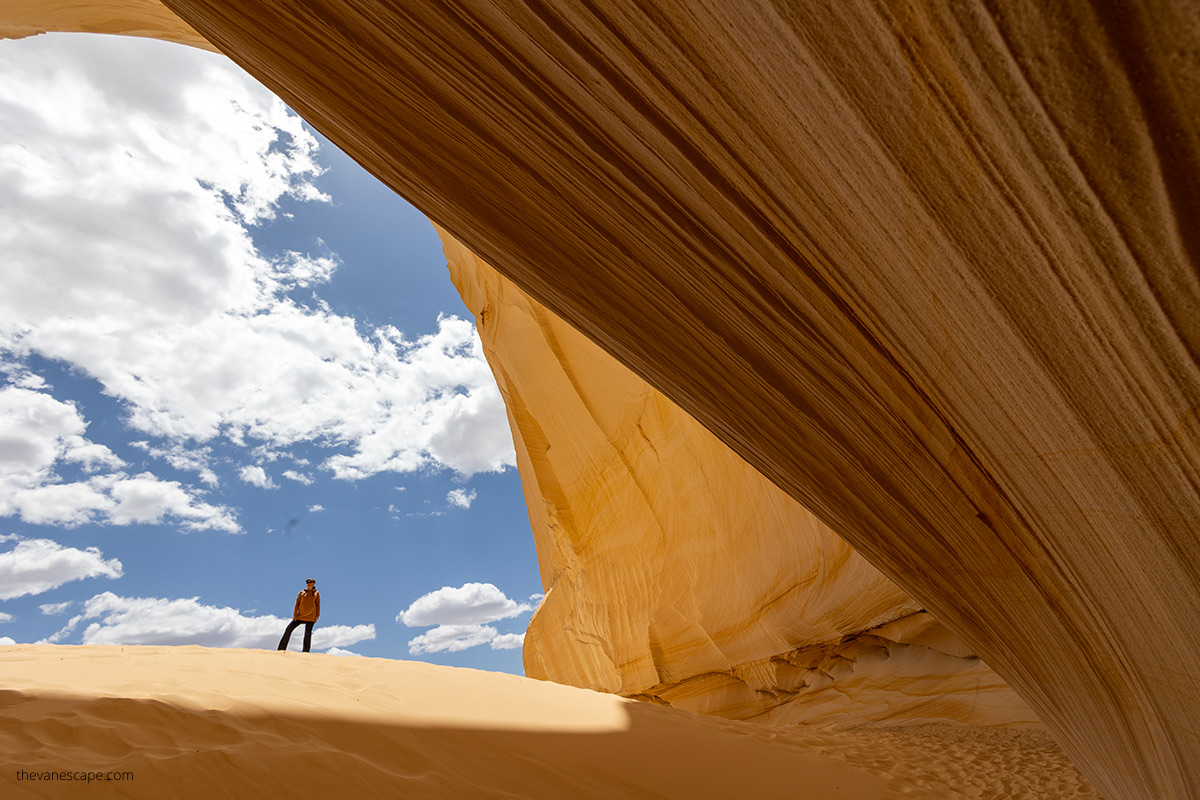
(306, 613)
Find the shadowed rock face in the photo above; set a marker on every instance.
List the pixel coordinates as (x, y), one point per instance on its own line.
(931, 270)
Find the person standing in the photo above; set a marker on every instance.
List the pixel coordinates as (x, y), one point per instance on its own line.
(306, 612)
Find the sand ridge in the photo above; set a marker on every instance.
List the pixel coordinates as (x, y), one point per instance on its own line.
(189, 721)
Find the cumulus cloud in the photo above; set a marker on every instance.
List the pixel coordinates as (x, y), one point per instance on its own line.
(460, 616)
(456, 638)
(5, 641)
(508, 641)
(461, 497)
(36, 431)
(315, 507)
(5, 617)
(337, 651)
(34, 566)
(161, 621)
(298, 477)
(146, 499)
(131, 197)
(469, 604)
(257, 476)
(41, 436)
(451, 639)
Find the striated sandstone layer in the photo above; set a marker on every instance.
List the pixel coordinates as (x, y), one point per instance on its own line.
(675, 572)
(931, 268)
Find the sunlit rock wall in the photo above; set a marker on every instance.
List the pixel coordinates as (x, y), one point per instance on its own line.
(676, 573)
(149, 18)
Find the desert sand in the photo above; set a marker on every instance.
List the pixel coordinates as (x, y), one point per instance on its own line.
(193, 721)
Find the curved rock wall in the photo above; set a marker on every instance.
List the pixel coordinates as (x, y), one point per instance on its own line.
(675, 572)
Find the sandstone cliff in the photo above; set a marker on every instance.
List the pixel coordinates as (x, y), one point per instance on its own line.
(675, 572)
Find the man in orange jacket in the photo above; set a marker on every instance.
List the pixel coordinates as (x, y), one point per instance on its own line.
(306, 612)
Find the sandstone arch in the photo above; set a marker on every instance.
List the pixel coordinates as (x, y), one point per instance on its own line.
(675, 572)
(932, 270)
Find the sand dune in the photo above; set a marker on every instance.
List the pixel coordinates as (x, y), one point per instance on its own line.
(191, 721)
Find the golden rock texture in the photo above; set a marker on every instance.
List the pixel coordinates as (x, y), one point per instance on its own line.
(676, 573)
(931, 268)
(149, 18)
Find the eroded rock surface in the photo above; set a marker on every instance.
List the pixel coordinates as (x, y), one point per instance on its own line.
(676, 573)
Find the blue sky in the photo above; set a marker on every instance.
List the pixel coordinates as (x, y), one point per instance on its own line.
(231, 360)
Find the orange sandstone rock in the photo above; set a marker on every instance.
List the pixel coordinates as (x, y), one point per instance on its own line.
(931, 268)
(675, 572)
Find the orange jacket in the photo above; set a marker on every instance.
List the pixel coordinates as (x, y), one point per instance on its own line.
(308, 606)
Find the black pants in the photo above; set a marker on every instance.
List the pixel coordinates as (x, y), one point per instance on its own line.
(287, 635)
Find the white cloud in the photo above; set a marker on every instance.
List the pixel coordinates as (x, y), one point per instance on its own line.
(469, 604)
(508, 641)
(5, 617)
(39, 565)
(179, 456)
(315, 507)
(24, 380)
(161, 621)
(146, 499)
(56, 608)
(337, 651)
(36, 431)
(461, 497)
(40, 435)
(266, 452)
(298, 477)
(456, 638)
(130, 196)
(66, 504)
(257, 476)
(459, 615)
(5, 641)
(451, 639)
